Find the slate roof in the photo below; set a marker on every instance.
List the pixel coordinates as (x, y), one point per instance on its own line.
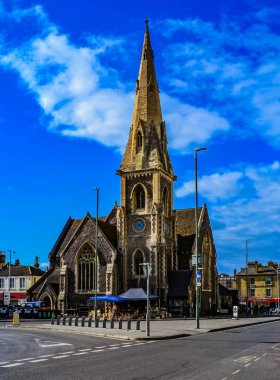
(185, 221)
(52, 277)
(21, 271)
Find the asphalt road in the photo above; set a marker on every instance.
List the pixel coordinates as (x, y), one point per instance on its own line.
(245, 353)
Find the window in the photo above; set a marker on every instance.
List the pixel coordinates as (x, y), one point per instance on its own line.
(12, 283)
(252, 281)
(268, 292)
(1, 282)
(138, 259)
(86, 267)
(139, 141)
(140, 197)
(252, 292)
(165, 201)
(268, 281)
(22, 283)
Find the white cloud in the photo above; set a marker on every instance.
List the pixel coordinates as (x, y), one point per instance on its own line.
(231, 67)
(215, 186)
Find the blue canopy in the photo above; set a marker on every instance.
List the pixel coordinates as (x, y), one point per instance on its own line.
(109, 298)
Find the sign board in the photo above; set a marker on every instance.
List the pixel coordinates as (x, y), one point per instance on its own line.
(198, 278)
(6, 298)
(235, 312)
(199, 260)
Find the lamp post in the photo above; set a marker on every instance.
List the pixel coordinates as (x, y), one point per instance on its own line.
(198, 286)
(247, 282)
(277, 279)
(147, 269)
(96, 250)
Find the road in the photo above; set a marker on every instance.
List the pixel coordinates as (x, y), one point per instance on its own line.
(245, 353)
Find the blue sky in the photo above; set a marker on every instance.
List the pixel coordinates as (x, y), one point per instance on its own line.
(67, 76)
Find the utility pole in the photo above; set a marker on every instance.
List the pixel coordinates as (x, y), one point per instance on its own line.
(96, 254)
(247, 278)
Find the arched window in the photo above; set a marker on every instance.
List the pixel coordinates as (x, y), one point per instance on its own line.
(138, 259)
(86, 268)
(165, 201)
(139, 141)
(140, 197)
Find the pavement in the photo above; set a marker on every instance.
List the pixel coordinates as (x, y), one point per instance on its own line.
(159, 329)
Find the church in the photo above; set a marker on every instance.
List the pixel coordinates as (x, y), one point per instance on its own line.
(144, 228)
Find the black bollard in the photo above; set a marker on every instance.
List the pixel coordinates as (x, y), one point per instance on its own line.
(112, 324)
(96, 322)
(58, 319)
(83, 321)
(120, 324)
(104, 323)
(70, 321)
(138, 324)
(64, 320)
(52, 320)
(129, 324)
(77, 321)
(89, 322)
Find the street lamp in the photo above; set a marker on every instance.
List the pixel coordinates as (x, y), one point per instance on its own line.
(147, 270)
(9, 281)
(96, 250)
(247, 283)
(198, 274)
(277, 273)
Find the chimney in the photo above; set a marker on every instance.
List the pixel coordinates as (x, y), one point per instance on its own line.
(36, 264)
(17, 263)
(2, 257)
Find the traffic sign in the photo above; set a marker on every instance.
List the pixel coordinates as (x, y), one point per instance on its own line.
(198, 278)
(7, 298)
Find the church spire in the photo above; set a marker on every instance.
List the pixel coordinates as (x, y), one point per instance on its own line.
(147, 104)
(147, 143)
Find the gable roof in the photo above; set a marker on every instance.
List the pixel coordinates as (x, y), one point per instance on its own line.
(21, 270)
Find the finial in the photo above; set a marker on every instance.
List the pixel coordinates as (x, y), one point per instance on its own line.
(147, 23)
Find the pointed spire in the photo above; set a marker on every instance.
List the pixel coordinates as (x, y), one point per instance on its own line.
(147, 143)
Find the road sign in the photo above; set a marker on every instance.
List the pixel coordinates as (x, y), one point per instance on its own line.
(235, 311)
(198, 278)
(7, 298)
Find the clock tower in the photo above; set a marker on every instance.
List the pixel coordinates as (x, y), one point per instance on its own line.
(144, 218)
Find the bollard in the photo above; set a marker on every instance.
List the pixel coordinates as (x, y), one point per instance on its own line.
(83, 321)
(64, 320)
(138, 324)
(58, 319)
(129, 324)
(52, 320)
(77, 321)
(96, 322)
(104, 323)
(120, 324)
(112, 324)
(70, 321)
(89, 322)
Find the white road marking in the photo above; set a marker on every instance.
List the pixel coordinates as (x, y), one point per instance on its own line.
(265, 354)
(45, 356)
(138, 344)
(113, 345)
(245, 359)
(60, 357)
(38, 360)
(247, 365)
(22, 360)
(85, 349)
(96, 350)
(48, 343)
(80, 353)
(275, 346)
(68, 352)
(4, 363)
(256, 359)
(101, 347)
(127, 345)
(11, 365)
(113, 348)
(233, 373)
(224, 378)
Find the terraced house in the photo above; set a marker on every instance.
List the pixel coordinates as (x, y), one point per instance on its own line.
(143, 228)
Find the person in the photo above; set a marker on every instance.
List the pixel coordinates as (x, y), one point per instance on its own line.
(114, 311)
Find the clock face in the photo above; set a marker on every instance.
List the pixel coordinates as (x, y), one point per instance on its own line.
(139, 225)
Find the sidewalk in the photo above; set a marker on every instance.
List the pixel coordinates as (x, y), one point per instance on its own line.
(159, 329)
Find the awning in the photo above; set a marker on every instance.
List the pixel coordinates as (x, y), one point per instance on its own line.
(262, 300)
(15, 296)
(137, 294)
(109, 298)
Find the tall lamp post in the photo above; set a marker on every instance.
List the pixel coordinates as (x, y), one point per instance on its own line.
(277, 279)
(9, 281)
(198, 274)
(247, 282)
(96, 250)
(147, 270)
